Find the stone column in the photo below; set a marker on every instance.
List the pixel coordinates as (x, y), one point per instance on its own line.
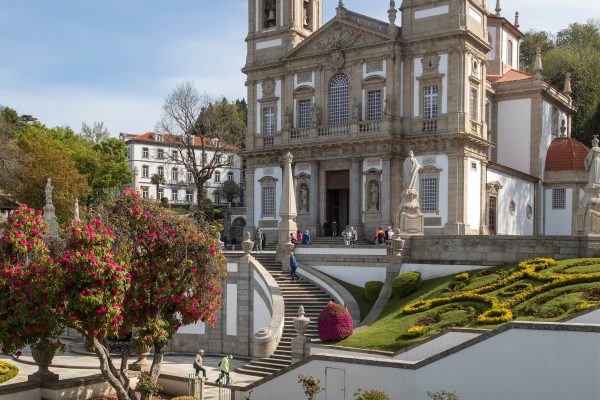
(355, 191)
(249, 201)
(313, 224)
(385, 195)
(287, 212)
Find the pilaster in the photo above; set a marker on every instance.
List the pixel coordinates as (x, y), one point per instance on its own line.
(313, 225)
(355, 192)
(386, 193)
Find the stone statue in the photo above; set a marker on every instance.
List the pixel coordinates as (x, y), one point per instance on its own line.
(76, 211)
(315, 114)
(303, 197)
(387, 108)
(287, 119)
(411, 171)
(48, 190)
(374, 191)
(355, 111)
(592, 163)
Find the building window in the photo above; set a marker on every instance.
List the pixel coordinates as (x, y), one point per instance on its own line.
(474, 103)
(268, 201)
(512, 207)
(430, 102)
(145, 192)
(559, 199)
(160, 154)
(270, 14)
(555, 117)
(175, 174)
(304, 115)
(269, 121)
(174, 195)
(529, 211)
(230, 160)
(429, 194)
(159, 137)
(175, 155)
(161, 171)
(145, 171)
(374, 110)
(189, 195)
(509, 52)
(217, 177)
(339, 93)
(204, 158)
(190, 178)
(217, 198)
(145, 152)
(160, 194)
(230, 176)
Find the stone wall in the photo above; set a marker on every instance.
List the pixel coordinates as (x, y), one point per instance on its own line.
(497, 250)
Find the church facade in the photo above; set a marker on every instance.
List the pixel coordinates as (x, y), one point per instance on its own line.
(351, 98)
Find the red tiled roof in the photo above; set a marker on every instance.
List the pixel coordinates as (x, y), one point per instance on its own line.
(566, 154)
(173, 139)
(510, 76)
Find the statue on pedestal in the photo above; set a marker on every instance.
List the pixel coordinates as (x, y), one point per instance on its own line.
(48, 190)
(592, 163)
(409, 218)
(411, 171)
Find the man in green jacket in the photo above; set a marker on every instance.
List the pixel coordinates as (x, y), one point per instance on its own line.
(224, 367)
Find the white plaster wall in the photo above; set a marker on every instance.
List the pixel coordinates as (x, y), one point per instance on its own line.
(514, 134)
(417, 72)
(492, 34)
(309, 84)
(441, 162)
(517, 364)
(430, 271)
(199, 328)
(523, 194)
(593, 317)
(261, 316)
(558, 221)
(265, 44)
(341, 251)
(263, 285)
(546, 134)
(231, 304)
(474, 195)
(432, 12)
(355, 275)
(330, 350)
(259, 173)
(435, 346)
(476, 15)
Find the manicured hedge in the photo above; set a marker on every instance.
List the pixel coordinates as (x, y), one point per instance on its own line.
(462, 277)
(406, 283)
(371, 395)
(372, 290)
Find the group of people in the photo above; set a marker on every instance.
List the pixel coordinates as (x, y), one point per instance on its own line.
(223, 368)
(350, 236)
(330, 228)
(384, 237)
(300, 238)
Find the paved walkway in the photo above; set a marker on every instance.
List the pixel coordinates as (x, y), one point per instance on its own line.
(73, 364)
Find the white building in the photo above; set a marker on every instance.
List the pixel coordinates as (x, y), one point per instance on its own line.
(152, 153)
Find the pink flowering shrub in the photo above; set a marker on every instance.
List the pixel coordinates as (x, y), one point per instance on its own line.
(335, 323)
(28, 289)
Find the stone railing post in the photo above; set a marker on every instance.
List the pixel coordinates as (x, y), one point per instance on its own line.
(299, 342)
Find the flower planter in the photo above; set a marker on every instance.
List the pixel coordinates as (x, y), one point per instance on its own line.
(142, 349)
(43, 359)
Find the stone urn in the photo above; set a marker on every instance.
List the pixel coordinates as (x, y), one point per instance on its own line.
(299, 342)
(43, 357)
(142, 350)
(248, 244)
(301, 322)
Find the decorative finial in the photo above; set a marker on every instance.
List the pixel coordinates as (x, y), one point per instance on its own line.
(516, 20)
(595, 141)
(538, 63)
(392, 13)
(567, 89)
(340, 8)
(563, 128)
(498, 8)
(288, 157)
(300, 311)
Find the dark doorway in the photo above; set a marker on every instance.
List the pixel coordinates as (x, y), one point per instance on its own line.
(492, 214)
(337, 199)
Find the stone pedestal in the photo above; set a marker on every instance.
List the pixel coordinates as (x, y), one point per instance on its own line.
(587, 219)
(299, 342)
(410, 220)
(43, 359)
(50, 218)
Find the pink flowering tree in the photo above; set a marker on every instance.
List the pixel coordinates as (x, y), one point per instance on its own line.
(28, 291)
(145, 268)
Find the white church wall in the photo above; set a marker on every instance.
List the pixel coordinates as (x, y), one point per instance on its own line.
(546, 135)
(259, 173)
(261, 316)
(355, 275)
(443, 68)
(417, 72)
(514, 134)
(231, 306)
(474, 194)
(520, 191)
(441, 162)
(492, 34)
(558, 221)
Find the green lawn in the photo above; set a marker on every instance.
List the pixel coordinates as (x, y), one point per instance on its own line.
(358, 293)
(554, 302)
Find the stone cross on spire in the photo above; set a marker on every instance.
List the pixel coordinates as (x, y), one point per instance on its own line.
(340, 8)
(498, 8)
(538, 64)
(516, 24)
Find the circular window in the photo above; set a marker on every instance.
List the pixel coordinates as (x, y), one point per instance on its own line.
(529, 211)
(512, 207)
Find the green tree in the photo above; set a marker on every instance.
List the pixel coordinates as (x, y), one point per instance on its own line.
(230, 190)
(158, 180)
(532, 41)
(95, 133)
(10, 157)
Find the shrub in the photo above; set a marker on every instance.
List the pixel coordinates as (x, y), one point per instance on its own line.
(443, 395)
(164, 201)
(370, 395)
(147, 385)
(495, 316)
(415, 331)
(372, 290)
(584, 306)
(335, 323)
(311, 385)
(462, 277)
(7, 371)
(406, 283)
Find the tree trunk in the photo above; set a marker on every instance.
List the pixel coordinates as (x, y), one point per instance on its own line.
(109, 372)
(159, 353)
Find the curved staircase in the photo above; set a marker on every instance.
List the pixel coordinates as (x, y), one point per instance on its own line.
(297, 293)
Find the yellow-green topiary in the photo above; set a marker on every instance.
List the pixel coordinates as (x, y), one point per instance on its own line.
(464, 276)
(415, 331)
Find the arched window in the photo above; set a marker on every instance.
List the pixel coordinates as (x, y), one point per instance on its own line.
(339, 92)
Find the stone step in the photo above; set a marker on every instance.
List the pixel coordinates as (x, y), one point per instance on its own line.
(247, 371)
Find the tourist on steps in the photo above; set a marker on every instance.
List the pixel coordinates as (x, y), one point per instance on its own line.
(198, 364)
(293, 266)
(306, 237)
(224, 367)
(299, 237)
(293, 238)
(347, 235)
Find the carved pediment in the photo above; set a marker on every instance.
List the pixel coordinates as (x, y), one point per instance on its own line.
(335, 37)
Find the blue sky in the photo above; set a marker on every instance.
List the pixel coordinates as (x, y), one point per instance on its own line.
(70, 61)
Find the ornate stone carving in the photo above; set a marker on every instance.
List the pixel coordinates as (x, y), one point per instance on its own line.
(315, 115)
(337, 60)
(268, 88)
(247, 244)
(431, 64)
(287, 119)
(410, 171)
(374, 66)
(48, 190)
(373, 195)
(303, 197)
(304, 76)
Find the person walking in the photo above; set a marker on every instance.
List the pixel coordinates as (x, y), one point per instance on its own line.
(293, 266)
(353, 236)
(198, 364)
(224, 368)
(259, 241)
(334, 228)
(306, 237)
(264, 241)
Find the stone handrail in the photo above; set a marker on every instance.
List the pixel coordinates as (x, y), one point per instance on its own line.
(334, 130)
(299, 134)
(265, 341)
(365, 127)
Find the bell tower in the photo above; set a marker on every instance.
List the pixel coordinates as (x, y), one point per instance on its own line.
(277, 26)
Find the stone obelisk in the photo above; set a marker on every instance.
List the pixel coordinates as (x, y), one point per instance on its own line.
(287, 212)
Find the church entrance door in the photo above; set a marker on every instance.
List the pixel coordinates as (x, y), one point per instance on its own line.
(337, 198)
